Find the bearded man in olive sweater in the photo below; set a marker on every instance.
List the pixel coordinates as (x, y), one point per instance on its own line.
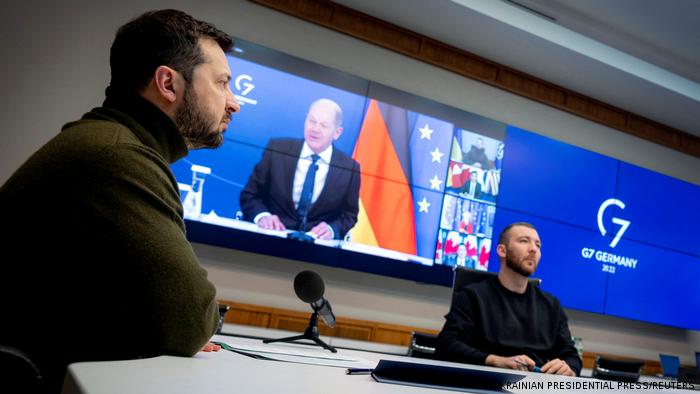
(104, 270)
(505, 321)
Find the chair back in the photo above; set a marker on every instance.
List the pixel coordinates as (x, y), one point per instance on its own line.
(223, 309)
(617, 370)
(422, 345)
(18, 371)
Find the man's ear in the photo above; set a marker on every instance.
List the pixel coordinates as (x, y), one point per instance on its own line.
(501, 250)
(338, 132)
(166, 82)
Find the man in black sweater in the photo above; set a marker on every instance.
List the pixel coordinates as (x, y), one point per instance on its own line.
(506, 322)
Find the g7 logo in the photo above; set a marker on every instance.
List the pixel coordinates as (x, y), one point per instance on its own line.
(587, 252)
(623, 223)
(243, 84)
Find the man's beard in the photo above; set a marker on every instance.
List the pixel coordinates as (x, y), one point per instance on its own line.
(192, 122)
(513, 265)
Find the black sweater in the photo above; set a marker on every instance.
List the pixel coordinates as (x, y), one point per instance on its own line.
(486, 318)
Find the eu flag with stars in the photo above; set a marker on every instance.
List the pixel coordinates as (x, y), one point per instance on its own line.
(431, 140)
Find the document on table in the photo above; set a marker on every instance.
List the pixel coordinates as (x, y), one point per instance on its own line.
(292, 353)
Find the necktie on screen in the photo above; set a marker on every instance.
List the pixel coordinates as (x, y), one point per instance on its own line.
(307, 192)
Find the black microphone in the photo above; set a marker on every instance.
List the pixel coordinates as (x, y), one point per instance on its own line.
(310, 288)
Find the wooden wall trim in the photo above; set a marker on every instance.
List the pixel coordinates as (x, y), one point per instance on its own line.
(386, 35)
(285, 319)
(365, 330)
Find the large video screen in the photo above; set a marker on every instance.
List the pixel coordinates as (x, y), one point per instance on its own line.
(329, 168)
(616, 239)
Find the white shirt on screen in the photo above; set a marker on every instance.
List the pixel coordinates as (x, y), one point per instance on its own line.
(303, 165)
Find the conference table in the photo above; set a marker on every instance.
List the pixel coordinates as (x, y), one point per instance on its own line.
(230, 372)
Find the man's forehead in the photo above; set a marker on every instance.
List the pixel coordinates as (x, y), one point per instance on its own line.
(212, 53)
(321, 108)
(320, 112)
(522, 231)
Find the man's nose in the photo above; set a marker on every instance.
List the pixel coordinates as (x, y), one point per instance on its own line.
(533, 247)
(232, 105)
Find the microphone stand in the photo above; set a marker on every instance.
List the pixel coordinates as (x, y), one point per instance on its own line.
(311, 333)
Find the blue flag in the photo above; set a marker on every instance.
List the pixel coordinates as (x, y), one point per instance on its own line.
(431, 140)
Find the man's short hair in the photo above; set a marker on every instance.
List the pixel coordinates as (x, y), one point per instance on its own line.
(503, 238)
(160, 38)
(336, 109)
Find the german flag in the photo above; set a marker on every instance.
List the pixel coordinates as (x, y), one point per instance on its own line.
(386, 218)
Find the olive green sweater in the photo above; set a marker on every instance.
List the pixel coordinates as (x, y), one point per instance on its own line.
(103, 268)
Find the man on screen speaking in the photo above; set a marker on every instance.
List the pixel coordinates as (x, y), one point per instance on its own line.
(306, 184)
(505, 321)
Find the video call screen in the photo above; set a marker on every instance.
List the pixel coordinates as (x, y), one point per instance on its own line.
(436, 186)
(616, 239)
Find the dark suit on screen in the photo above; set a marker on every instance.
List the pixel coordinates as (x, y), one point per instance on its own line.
(269, 189)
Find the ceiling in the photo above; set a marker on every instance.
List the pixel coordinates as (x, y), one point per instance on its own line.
(639, 55)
